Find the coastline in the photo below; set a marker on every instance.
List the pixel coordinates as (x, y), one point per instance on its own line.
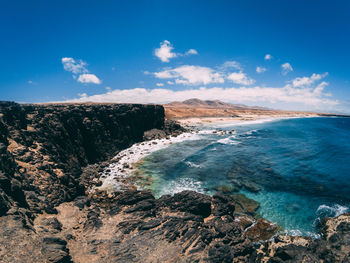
(122, 173)
(241, 120)
(119, 175)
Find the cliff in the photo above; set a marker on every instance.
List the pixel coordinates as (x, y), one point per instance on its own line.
(44, 147)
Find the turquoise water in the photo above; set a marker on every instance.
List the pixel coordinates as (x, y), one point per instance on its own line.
(299, 168)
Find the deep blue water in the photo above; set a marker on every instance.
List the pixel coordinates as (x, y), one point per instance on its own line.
(301, 168)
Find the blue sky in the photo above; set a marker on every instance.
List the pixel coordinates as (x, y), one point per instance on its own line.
(160, 51)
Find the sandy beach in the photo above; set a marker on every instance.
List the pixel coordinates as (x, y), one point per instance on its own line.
(244, 119)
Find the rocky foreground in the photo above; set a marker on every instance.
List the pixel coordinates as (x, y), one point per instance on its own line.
(49, 155)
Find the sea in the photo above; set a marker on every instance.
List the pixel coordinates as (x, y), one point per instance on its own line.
(298, 169)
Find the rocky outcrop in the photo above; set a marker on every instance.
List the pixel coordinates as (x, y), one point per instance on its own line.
(333, 246)
(44, 147)
(133, 226)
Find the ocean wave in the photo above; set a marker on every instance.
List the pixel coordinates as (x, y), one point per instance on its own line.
(112, 177)
(331, 211)
(182, 184)
(193, 165)
(296, 232)
(251, 132)
(228, 140)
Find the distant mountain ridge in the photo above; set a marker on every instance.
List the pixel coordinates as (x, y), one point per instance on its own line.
(214, 104)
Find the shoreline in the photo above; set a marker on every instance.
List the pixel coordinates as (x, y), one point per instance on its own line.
(240, 120)
(122, 172)
(119, 174)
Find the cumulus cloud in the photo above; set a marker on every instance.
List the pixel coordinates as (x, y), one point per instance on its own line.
(170, 82)
(74, 66)
(240, 78)
(165, 52)
(307, 81)
(79, 70)
(268, 57)
(286, 68)
(313, 98)
(260, 69)
(89, 78)
(159, 84)
(191, 75)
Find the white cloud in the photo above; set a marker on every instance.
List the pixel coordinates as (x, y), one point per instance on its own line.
(307, 98)
(78, 67)
(260, 69)
(164, 53)
(191, 52)
(286, 68)
(89, 78)
(230, 64)
(268, 57)
(194, 75)
(240, 78)
(160, 84)
(307, 81)
(170, 82)
(74, 66)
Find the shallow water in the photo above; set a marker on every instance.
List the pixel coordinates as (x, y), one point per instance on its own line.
(300, 166)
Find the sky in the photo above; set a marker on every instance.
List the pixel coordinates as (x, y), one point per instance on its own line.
(278, 54)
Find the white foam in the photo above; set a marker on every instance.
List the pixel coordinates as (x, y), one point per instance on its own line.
(113, 177)
(250, 132)
(193, 165)
(258, 121)
(228, 140)
(179, 185)
(298, 233)
(332, 211)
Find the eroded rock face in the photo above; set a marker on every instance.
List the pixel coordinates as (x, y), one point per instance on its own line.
(44, 147)
(135, 227)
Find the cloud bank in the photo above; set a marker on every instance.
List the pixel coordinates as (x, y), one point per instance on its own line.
(309, 98)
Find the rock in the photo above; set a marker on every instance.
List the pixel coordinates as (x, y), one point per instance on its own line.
(222, 205)
(54, 250)
(226, 189)
(93, 220)
(150, 224)
(4, 203)
(133, 197)
(245, 204)
(154, 134)
(219, 252)
(262, 230)
(82, 201)
(190, 202)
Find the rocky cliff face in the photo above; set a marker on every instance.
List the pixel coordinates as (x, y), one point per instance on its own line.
(44, 147)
